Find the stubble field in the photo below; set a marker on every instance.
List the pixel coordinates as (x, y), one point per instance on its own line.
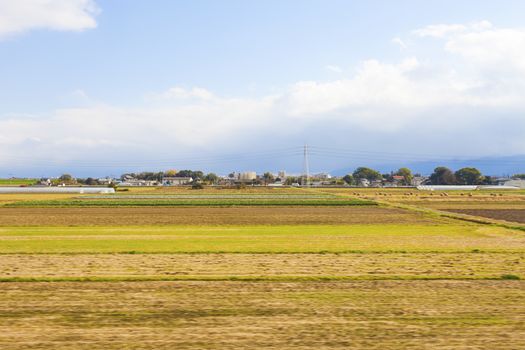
(262, 315)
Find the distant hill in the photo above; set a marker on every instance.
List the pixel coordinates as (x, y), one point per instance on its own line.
(496, 166)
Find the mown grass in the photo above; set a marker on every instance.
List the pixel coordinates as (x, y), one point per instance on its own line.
(274, 278)
(261, 239)
(263, 315)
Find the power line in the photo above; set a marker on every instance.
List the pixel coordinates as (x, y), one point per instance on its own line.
(306, 151)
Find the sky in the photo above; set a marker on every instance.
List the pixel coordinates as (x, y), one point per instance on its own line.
(101, 87)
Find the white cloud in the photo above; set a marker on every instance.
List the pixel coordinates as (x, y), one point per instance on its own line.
(398, 41)
(334, 68)
(179, 93)
(499, 49)
(443, 30)
(430, 105)
(439, 30)
(18, 16)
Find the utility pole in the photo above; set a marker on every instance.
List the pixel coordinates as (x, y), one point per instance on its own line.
(306, 166)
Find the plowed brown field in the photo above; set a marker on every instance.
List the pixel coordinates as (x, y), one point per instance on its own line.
(208, 216)
(514, 215)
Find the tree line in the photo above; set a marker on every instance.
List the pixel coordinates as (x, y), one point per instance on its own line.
(404, 176)
(440, 176)
(196, 175)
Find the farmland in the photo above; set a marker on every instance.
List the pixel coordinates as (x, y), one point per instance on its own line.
(243, 215)
(261, 239)
(196, 200)
(17, 182)
(262, 315)
(261, 268)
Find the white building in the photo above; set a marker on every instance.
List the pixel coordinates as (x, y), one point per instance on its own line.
(176, 181)
(418, 180)
(322, 176)
(105, 181)
(137, 182)
(363, 183)
(247, 176)
(520, 183)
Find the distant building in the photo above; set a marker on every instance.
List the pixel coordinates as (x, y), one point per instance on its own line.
(282, 175)
(363, 183)
(376, 183)
(44, 182)
(323, 176)
(137, 182)
(447, 187)
(418, 180)
(105, 181)
(176, 181)
(515, 182)
(500, 181)
(247, 176)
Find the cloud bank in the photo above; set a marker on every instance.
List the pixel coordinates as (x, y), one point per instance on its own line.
(466, 102)
(19, 16)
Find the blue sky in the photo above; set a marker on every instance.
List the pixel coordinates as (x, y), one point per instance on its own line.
(100, 87)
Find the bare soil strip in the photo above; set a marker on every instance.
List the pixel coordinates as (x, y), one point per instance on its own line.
(208, 216)
(512, 215)
(260, 315)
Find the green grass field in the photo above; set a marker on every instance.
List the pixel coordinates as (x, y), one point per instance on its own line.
(17, 182)
(260, 239)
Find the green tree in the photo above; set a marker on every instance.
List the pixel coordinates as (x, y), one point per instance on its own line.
(488, 180)
(519, 176)
(291, 180)
(66, 179)
(184, 173)
(170, 173)
(91, 181)
(195, 175)
(442, 176)
(349, 179)
(469, 176)
(366, 173)
(407, 175)
(197, 186)
(268, 178)
(211, 178)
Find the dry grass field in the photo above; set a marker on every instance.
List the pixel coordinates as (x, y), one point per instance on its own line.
(263, 315)
(356, 266)
(398, 275)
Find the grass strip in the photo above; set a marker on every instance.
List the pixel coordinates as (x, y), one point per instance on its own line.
(320, 252)
(261, 239)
